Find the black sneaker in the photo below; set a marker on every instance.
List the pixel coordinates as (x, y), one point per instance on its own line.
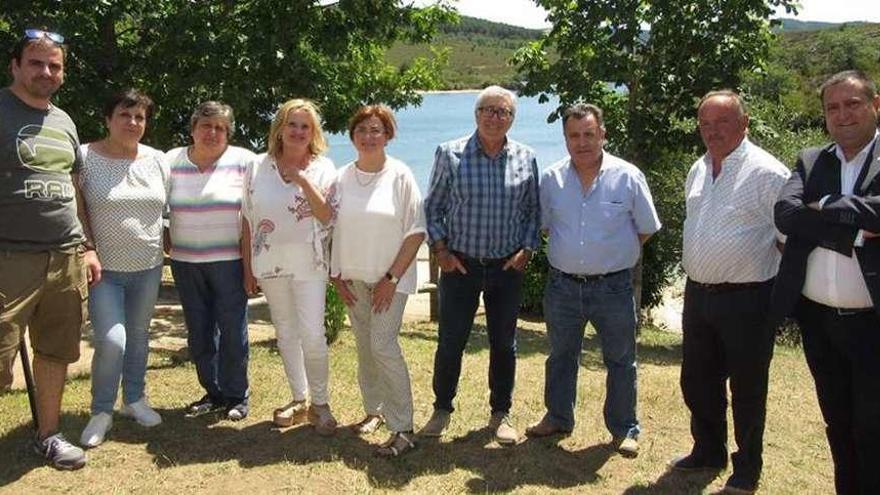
(61, 453)
(237, 411)
(205, 405)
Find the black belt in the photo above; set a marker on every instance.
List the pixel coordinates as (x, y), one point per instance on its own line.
(729, 287)
(477, 260)
(587, 278)
(842, 311)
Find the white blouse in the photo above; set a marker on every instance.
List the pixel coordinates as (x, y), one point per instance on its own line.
(375, 213)
(286, 239)
(125, 199)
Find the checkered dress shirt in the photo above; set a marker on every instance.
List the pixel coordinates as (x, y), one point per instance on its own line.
(483, 206)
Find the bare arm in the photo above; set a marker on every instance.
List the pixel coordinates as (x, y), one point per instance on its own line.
(385, 289)
(250, 282)
(90, 257)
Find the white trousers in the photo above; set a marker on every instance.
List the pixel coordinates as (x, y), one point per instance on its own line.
(297, 308)
(382, 373)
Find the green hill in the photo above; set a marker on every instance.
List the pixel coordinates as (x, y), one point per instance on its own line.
(804, 53)
(478, 52)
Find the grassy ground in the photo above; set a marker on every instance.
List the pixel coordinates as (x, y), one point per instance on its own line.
(209, 455)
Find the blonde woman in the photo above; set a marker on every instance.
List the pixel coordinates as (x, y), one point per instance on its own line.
(285, 213)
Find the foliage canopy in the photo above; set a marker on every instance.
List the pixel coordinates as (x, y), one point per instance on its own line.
(647, 64)
(252, 54)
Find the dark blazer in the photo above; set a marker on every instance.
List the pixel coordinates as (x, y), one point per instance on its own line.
(835, 227)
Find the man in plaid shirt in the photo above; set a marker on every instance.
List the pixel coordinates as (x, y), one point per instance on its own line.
(483, 216)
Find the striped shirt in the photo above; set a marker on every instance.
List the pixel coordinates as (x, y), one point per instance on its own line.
(205, 206)
(483, 206)
(729, 233)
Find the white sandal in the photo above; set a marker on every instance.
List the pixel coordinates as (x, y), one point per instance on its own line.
(368, 425)
(398, 443)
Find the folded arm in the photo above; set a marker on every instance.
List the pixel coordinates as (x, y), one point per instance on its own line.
(794, 218)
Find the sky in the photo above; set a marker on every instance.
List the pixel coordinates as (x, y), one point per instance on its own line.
(525, 13)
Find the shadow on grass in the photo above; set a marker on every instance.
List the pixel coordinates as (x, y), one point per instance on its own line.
(191, 441)
(673, 482)
(19, 457)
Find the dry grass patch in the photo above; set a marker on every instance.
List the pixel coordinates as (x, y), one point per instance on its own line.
(209, 455)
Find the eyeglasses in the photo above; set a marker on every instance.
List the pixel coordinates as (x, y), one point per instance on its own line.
(369, 131)
(35, 34)
(497, 112)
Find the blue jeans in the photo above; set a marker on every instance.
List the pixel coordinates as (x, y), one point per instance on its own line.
(215, 310)
(121, 307)
(459, 299)
(608, 303)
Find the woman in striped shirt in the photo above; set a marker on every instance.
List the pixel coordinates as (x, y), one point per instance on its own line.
(205, 204)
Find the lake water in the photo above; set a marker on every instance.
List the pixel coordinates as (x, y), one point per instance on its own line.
(446, 116)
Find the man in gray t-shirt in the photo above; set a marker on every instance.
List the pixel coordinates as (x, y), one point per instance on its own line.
(46, 261)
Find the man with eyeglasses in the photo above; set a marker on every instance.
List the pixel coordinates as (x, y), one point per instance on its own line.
(45, 262)
(482, 213)
(598, 211)
(829, 277)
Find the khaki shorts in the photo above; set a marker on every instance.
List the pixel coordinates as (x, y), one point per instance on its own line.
(46, 292)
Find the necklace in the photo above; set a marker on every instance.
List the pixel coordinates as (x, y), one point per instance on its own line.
(372, 176)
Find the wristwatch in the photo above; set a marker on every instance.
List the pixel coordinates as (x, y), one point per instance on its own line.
(391, 278)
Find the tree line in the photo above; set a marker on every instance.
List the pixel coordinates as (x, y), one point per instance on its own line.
(257, 53)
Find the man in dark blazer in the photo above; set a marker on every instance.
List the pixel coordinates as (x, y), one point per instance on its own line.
(829, 277)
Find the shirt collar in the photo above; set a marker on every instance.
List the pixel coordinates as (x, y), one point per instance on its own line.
(735, 158)
(475, 142)
(860, 156)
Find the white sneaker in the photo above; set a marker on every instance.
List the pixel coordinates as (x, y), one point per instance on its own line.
(141, 412)
(94, 432)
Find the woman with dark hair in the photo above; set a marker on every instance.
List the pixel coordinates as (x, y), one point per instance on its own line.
(379, 228)
(205, 228)
(125, 189)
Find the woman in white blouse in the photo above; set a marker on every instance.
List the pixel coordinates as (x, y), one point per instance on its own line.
(125, 187)
(285, 214)
(378, 231)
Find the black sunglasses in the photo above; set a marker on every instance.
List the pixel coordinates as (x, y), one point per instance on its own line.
(35, 34)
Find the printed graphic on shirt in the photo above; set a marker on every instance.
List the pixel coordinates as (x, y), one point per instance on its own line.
(300, 208)
(264, 228)
(45, 149)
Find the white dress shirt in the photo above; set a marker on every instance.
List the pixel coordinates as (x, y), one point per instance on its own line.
(834, 279)
(729, 232)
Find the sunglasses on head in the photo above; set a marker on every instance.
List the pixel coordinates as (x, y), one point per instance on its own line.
(35, 34)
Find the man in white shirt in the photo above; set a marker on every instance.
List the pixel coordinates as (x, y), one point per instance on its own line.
(830, 275)
(730, 257)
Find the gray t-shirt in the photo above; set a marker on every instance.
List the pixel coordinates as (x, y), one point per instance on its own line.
(39, 149)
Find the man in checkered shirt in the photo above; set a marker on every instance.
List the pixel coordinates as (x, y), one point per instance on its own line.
(483, 215)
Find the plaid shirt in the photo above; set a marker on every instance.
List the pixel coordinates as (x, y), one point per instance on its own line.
(481, 206)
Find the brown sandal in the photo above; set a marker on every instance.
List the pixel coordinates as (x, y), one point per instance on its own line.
(398, 443)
